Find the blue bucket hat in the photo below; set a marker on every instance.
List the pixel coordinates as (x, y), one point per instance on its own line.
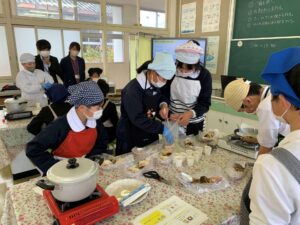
(164, 65)
(85, 93)
(57, 93)
(275, 71)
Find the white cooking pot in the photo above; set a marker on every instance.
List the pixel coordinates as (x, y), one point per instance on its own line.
(71, 180)
(14, 105)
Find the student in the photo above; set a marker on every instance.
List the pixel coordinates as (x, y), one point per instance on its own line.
(94, 74)
(33, 82)
(110, 116)
(244, 96)
(46, 62)
(190, 90)
(274, 191)
(142, 102)
(57, 95)
(73, 66)
(76, 134)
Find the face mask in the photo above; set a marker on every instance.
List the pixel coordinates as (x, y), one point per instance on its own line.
(181, 74)
(96, 115)
(45, 53)
(158, 84)
(280, 118)
(74, 53)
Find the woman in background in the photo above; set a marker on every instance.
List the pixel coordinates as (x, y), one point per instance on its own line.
(73, 66)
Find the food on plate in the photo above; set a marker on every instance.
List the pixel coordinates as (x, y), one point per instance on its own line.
(124, 193)
(207, 180)
(108, 162)
(238, 167)
(209, 134)
(188, 143)
(143, 163)
(133, 169)
(166, 152)
(249, 139)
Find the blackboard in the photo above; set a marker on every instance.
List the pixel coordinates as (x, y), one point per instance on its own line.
(266, 18)
(248, 57)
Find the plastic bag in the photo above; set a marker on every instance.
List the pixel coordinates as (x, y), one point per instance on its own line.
(236, 169)
(214, 173)
(174, 129)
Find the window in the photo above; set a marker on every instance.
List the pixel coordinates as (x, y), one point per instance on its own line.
(153, 13)
(121, 12)
(81, 10)
(1, 7)
(70, 36)
(37, 8)
(115, 47)
(25, 45)
(114, 14)
(5, 69)
(92, 46)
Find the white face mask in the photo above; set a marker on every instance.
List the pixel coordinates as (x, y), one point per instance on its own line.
(181, 74)
(45, 53)
(158, 84)
(74, 53)
(280, 118)
(96, 115)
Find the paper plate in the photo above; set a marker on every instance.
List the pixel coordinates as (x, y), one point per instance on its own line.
(121, 188)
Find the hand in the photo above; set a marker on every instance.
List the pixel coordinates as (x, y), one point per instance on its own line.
(47, 85)
(164, 111)
(168, 135)
(184, 119)
(174, 117)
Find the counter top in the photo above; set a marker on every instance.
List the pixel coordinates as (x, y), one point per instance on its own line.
(24, 206)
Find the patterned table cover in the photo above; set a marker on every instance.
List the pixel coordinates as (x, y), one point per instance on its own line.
(13, 138)
(24, 206)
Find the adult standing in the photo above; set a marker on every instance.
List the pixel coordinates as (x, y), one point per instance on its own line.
(46, 62)
(73, 66)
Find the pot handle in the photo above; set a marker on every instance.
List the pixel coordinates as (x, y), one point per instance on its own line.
(72, 163)
(47, 185)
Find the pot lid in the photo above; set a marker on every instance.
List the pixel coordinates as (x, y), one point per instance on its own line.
(13, 100)
(72, 170)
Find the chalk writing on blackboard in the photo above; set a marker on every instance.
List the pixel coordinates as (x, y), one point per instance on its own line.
(267, 13)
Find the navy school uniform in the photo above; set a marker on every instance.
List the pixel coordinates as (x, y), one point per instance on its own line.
(137, 126)
(186, 93)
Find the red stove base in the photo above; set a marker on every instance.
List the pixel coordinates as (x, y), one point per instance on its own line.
(87, 213)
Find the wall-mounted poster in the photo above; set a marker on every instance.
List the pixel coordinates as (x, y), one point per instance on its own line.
(211, 15)
(212, 54)
(188, 18)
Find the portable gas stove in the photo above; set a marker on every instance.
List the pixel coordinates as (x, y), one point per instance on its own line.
(98, 206)
(243, 148)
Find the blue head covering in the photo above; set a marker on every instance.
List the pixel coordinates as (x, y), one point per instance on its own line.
(57, 93)
(274, 73)
(164, 65)
(85, 93)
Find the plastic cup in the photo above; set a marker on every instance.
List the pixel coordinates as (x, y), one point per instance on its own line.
(207, 150)
(199, 149)
(178, 161)
(190, 161)
(189, 152)
(197, 156)
(139, 154)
